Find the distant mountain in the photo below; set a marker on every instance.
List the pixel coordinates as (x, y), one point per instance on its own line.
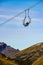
(7, 50)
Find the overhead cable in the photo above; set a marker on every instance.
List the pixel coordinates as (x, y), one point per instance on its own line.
(21, 13)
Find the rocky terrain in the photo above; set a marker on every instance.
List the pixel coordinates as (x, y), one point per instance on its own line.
(7, 50)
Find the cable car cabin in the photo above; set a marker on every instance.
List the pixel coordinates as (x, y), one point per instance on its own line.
(26, 24)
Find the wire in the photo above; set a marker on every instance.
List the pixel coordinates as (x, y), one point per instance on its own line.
(21, 13)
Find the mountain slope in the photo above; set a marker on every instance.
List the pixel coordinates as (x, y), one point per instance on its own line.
(6, 61)
(29, 55)
(39, 61)
(7, 50)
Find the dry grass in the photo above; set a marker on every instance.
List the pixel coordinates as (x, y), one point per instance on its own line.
(38, 61)
(6, 61)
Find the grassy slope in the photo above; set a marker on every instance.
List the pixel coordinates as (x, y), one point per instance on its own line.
(30, 49)
(6, 61)
(39, 61)
(29, 55)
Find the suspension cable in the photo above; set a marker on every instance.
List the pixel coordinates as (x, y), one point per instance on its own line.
(21, 13)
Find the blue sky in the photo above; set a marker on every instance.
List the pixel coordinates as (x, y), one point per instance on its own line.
(14, 33)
